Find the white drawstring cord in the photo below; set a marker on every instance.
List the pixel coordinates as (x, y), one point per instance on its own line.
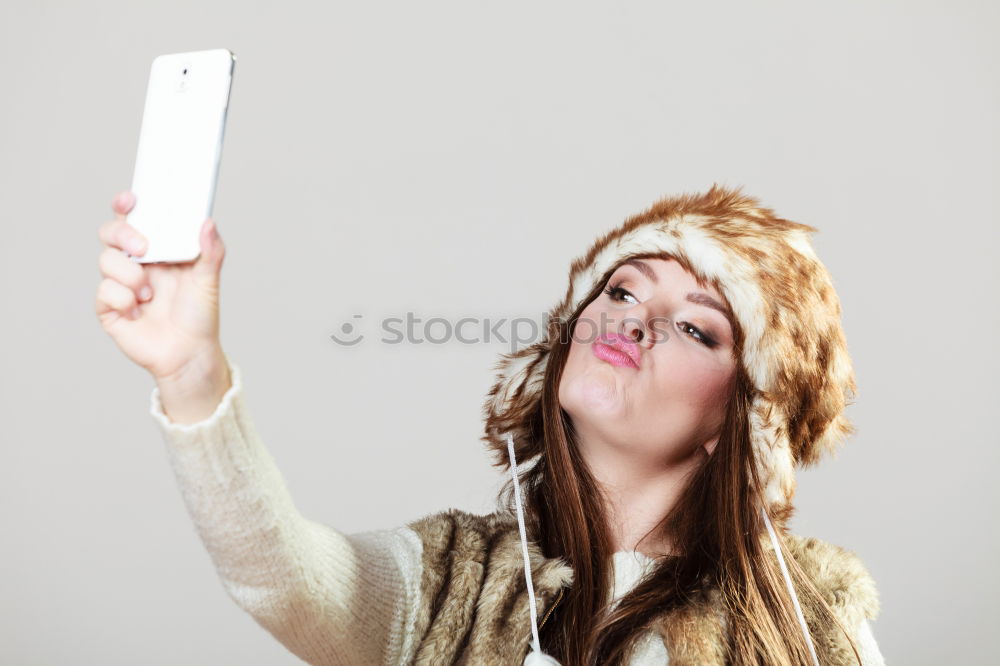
(536, 656)
(791, 588)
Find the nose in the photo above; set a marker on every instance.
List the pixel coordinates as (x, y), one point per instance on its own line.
(633, 328)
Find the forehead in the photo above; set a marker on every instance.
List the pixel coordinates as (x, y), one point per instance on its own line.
(667, 270)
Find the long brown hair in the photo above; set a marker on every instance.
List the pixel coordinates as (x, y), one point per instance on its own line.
(714, 527)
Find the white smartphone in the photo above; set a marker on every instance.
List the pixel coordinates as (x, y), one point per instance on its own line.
(180, 147)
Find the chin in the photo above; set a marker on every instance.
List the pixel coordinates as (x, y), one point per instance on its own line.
(595, 394)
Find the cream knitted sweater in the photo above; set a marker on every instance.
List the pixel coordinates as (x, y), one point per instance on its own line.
(330, 598)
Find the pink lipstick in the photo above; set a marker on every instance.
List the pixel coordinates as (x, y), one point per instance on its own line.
(617, 350)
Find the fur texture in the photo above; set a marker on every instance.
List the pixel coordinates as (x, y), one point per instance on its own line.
(473, 589)
(474, 607)
(782, 298)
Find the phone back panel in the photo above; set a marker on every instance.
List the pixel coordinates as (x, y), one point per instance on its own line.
(180, 147)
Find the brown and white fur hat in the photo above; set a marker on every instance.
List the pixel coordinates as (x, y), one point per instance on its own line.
(782, 297)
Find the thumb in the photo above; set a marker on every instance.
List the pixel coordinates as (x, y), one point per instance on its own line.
(209, 262)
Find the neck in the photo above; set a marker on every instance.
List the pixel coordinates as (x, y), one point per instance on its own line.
(639, 493)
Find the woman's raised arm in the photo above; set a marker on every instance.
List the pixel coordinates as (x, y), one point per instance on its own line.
(328, 597)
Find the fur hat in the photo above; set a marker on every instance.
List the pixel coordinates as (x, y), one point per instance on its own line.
(794, 349)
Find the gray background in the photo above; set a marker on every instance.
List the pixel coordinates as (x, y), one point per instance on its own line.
(451, 159)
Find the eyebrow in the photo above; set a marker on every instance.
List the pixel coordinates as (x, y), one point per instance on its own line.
(693, 297)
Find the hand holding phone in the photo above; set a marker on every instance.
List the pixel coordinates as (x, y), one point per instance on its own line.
(164, 317)
(162, 256)
(180, 148)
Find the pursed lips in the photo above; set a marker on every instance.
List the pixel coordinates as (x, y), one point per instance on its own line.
(617, 350)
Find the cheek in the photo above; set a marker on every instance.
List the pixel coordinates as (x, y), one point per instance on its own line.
(587, 384)
(575, 386)
(693, 385)
(588, 325)
(585, 331)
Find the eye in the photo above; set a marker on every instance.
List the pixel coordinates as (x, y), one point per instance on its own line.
(616, 294)
(701, 337)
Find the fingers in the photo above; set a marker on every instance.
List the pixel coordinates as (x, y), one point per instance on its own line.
(115, 297)
(125, 282)
(117, 267)
(122, 204)
(118, 233)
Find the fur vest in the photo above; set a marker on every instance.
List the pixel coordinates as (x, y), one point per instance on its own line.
(475, 609)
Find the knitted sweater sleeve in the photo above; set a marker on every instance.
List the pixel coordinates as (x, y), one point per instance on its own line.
(330, 598)
(867, 647)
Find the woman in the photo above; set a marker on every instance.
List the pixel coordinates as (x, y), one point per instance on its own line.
(696, 358)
